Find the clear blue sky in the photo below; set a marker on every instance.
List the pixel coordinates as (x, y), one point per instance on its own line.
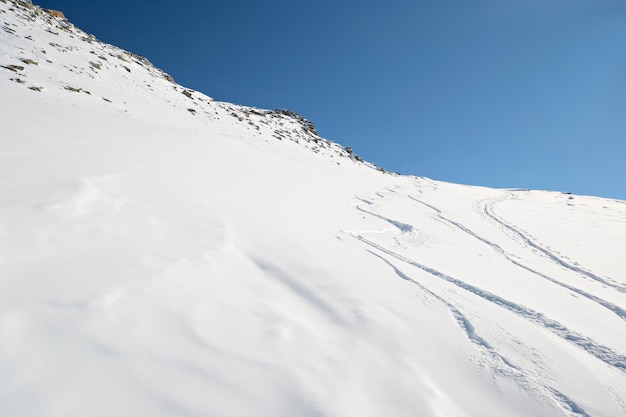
(502, 93)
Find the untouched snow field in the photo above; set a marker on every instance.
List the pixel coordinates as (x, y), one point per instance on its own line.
(162, 254)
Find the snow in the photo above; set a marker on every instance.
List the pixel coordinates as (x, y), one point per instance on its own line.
(156, 261)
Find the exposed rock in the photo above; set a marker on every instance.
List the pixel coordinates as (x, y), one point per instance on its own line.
(141, 60)
(14, 68)
(28, 61)
(76, 90)
(56, 13)
(167, 76)
(257, 112)
(307, 125)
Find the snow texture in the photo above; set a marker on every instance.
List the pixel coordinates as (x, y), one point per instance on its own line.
(163, 254)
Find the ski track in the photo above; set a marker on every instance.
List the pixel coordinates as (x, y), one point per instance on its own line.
(603, 353)
(570, 405)
(620, 312)
(502, 365)
(403, 227)
(487, 210)
(460, 318)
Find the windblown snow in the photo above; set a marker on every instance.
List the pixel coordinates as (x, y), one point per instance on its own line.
(163, 254)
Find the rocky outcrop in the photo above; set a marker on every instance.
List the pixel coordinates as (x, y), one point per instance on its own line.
(56, 13)
(307, 125)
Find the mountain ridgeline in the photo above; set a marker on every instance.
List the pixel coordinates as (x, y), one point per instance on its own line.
(99, 62)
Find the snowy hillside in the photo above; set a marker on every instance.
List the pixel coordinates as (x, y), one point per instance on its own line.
(163, 254)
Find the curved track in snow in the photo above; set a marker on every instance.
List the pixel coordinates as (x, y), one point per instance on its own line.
(620, 312)
(603, 353)
(488, 211)
(395, 243)
(502, 365)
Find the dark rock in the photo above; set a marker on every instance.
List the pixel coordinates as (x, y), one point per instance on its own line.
(76, 90)
(14, 68)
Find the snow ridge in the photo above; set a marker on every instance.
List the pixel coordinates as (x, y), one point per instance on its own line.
(100, 62)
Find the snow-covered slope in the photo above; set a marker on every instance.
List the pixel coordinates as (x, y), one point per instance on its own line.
(162, 254)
